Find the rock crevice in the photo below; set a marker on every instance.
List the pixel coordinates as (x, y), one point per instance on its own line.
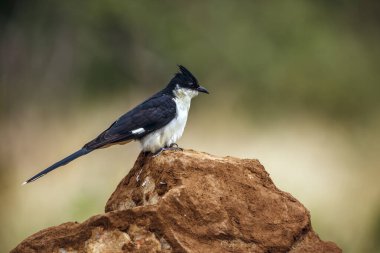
(189, 202)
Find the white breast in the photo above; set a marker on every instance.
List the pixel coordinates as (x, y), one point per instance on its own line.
(170, 133)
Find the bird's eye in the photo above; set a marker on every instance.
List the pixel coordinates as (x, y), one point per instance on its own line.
(191, 84)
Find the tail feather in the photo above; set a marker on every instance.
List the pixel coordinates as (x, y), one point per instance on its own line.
(56, 165)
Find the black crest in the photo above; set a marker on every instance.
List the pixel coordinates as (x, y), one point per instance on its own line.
(186, 75)
(182, 78)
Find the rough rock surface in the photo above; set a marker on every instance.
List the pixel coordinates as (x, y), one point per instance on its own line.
(189, 202)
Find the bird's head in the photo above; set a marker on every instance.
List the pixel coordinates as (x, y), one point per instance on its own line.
(185, 81)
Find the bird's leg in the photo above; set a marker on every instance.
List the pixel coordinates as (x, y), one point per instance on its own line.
(158, 152)
(174, 146)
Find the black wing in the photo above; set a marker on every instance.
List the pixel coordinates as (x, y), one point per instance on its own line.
(151, 115)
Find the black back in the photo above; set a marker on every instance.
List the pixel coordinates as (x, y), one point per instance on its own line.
(152, 114)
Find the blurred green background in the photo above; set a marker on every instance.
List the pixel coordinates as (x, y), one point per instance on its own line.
(294, 84)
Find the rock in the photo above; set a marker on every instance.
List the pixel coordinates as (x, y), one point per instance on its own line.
(189, 202)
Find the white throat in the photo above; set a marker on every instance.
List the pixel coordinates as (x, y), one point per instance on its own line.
(170, 133)
(183, 93)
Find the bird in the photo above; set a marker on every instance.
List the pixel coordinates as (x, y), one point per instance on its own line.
(157, 123)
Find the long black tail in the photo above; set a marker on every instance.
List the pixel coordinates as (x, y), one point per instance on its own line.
(64, 161)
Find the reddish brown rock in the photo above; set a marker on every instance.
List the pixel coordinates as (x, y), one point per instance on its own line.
(190, 202)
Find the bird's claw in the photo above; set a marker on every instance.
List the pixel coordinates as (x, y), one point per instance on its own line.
(173, 146)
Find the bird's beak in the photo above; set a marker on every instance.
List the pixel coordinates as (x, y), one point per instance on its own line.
(202, 89)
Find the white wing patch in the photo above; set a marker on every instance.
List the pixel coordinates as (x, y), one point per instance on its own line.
(138, 131)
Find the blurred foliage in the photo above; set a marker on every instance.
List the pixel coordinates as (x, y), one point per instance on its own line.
(319, 56)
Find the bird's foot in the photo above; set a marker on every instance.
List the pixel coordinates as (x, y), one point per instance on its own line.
(158, 152)
(173, 146)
